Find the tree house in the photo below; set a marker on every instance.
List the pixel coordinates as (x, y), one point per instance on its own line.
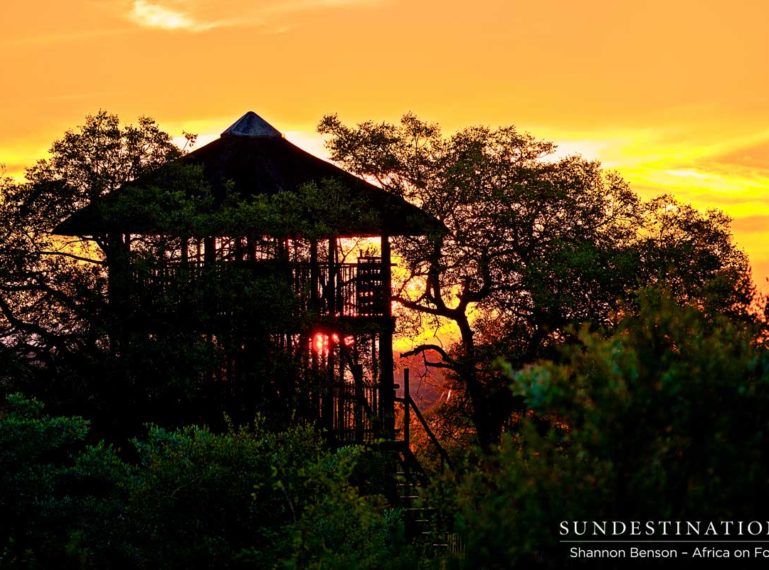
(251, 277)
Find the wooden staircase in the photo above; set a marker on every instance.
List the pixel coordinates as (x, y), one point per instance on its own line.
(423, 522)
(404, 477)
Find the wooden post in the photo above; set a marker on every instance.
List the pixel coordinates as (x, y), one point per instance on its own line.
(239, 250)
(331, 285)
(406, 408)
(387, 389)
(209, 251)
(120, 277)
(185, 250)
(314, 276)
(211, 300)
(360, 413)
(330, 392)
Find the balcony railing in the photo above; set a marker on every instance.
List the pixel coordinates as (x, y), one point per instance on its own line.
(330, 290)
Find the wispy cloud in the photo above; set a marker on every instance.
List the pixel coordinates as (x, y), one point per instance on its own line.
(202, 15)
(755, 155)
(752, 224)
(166, 16)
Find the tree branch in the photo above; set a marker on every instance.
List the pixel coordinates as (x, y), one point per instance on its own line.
(73, 256)
(439, 365)
(448, 361)
(409, 304)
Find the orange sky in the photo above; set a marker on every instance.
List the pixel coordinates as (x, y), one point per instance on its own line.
(673, 94)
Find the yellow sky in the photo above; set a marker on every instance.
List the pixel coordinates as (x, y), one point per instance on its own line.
(673, 94)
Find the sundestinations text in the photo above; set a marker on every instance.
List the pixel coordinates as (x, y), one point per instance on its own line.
(662, 528)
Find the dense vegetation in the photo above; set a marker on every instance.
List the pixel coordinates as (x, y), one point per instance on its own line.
(609, 367)
(187, 498)
(665, 419)
(534, 245)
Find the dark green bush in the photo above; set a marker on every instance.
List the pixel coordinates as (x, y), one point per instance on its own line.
(36, 453)
(666, 419)
(188, 498)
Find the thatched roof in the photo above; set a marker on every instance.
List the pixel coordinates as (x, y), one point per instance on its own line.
(252, 158)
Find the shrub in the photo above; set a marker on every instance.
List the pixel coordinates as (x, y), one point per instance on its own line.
(189, 498)
(666, 419)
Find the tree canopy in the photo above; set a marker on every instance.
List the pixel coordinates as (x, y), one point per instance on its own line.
(534, 245)
(50, 287)
(663, 420)
(54, 290)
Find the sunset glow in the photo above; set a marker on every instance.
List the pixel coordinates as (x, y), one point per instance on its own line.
(322, 342)
(671, 94)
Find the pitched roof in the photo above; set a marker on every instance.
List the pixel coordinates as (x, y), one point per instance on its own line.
(252, 158)
(251, 125)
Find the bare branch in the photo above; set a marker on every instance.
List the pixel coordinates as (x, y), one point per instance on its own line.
(430, 347)
(409, 304)
(439, 365)
(73, 256)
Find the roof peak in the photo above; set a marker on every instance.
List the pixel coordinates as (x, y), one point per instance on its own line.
(253, 126)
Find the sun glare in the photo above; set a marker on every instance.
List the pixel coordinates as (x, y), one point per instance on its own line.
(323, 342)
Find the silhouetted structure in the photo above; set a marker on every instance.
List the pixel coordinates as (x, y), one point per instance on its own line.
(332, 316)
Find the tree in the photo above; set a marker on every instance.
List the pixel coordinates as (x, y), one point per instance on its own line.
(664, 420)
(45, 279)
(532, 245)
(52, 289)
(190, 498)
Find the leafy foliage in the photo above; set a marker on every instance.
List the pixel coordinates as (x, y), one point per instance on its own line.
(35, 454)
(53, 289)
(189, 499)
(534, 245)
(664, 420)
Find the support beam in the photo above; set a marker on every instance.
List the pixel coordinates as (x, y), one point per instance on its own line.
(406, 409)
(387, 386)
(314, 278)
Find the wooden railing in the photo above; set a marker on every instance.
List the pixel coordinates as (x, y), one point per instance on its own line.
(355, 417)
(409, 407)
(335, 290)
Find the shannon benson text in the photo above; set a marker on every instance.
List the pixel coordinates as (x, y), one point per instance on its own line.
(656, 529)
(633, 552)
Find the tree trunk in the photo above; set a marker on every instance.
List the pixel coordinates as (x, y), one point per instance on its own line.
(487, 425)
